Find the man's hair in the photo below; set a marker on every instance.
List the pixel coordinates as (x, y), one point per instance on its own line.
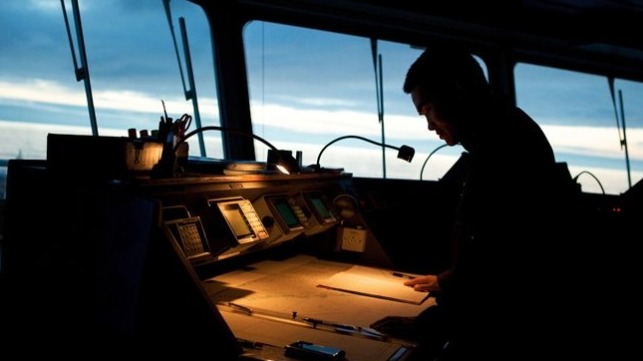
(454, 82)
(445, 69)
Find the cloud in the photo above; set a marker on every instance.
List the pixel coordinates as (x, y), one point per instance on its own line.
(592, 141)
(46, 91)
(45, 5)
(39, 90)
(578, 140)
(298, 126)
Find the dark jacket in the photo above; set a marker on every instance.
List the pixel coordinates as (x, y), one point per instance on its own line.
(511, 207)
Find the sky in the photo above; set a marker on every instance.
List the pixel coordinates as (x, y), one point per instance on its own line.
(133, 66)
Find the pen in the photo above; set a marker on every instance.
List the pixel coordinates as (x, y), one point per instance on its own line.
(399, 274)
(315, 322)
(164, 109)
(346, 328)
(312, 321)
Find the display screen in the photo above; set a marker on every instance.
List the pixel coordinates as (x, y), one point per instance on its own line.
(285, 212)
(236, 220)
(320, 208)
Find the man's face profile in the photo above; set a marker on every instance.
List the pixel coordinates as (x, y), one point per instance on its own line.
(435, 122)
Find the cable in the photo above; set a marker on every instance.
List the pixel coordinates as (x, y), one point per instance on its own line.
(593, 176)
(223, 129)
(427, 158)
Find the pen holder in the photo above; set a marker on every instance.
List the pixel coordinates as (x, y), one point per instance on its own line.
(174, 158)
(141, 156)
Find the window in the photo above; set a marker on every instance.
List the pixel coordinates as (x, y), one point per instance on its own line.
(308, 87)
(577, 114)
(132, 67)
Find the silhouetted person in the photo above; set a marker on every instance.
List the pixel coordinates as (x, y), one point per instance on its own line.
(493, 298)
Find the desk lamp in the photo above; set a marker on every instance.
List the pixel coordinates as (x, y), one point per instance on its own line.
(283, 160)
(404, 152)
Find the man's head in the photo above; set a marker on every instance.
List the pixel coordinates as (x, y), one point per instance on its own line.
(447, 86)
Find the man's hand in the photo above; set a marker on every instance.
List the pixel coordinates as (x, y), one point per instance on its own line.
(428, 283)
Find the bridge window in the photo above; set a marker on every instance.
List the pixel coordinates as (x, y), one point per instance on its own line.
(309, 87)
(584, 124)
(132, 67)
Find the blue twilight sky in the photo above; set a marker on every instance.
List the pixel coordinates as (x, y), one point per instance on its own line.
(133, 65)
